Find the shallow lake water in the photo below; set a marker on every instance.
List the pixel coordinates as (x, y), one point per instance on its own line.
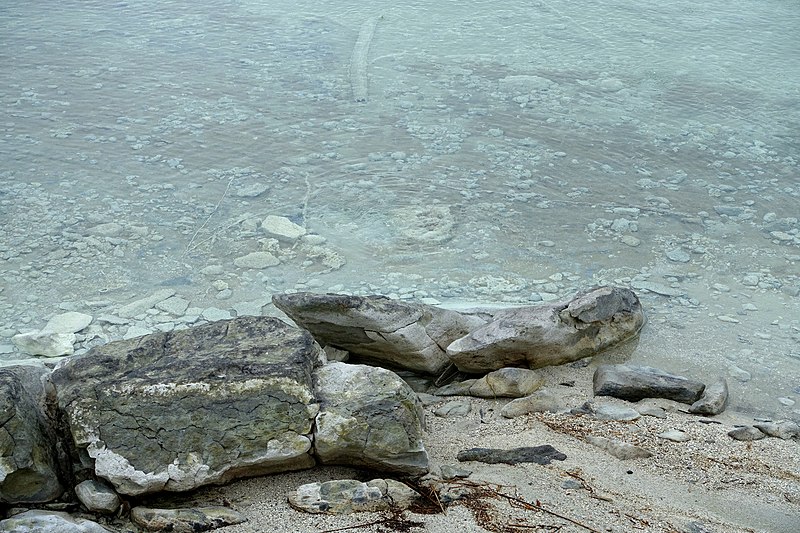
(443, 151)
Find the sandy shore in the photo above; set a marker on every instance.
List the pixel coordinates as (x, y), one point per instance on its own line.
(710, 483)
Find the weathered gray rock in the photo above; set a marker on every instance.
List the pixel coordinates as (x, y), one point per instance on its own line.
(674, 435)
(507, 383)
(453, 409)
(97, 496)
(369, 417)
(49, 522)
(542, 455)
(47, 343)
(345, 496)
(746, 433)
(175, 411)
(29, 461)
(387, 332)
(713, 400)
(552, 334)
(542, 400)
(454, 472)
(503, 383)
(619, 449)
(785, 429)
(634, 383)
(191, 520)
(70, 322)
(607, 412)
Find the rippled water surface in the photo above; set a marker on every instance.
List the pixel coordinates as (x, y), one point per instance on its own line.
(505, 152)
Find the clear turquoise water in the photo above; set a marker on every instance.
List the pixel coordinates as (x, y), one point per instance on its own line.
(511, 151)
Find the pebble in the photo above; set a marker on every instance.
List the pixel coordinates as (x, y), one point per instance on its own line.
(675, 435)
(630, 240)
(71, 322)
(136, 331)
(454, 472)
(174, 305)
(45, 344)
(619, 449)
(97, 496)
(651, 410)
(213, 314)
(746, 433)
(453, 409)
(137, 307)
(540, 401)
(282, 228)
(739, 374)
(783, 430)
(678, 255)
(615, 412)
(726, 318)
(256, 260)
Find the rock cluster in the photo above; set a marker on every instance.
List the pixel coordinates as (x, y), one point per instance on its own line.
(178, 410)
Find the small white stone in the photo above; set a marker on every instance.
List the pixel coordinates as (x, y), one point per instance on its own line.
(136, 331)
(213, 314)
(674, 435)
(44, 343)
(726, 318)
(256, 260)
(630, 240)
(282, 228)
(71, 322)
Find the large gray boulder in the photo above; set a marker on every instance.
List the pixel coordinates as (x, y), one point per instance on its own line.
(29, 461)
(368, 417)
(398, 334)
(552, 334)
(175, 411)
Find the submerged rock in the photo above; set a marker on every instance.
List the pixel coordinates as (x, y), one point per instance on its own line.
(552, 334)
(369, 417)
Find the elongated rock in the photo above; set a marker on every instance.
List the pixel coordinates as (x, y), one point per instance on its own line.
(553, 334)
(634, 383)
(376, 329)
(542, 455)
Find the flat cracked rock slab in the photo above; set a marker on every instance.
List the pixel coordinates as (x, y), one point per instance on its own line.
(175, 411)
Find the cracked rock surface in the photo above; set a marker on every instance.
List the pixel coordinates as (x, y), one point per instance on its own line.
(394, 333)
(29, 471)
(175, 411)
(368, 417)
(553, 334)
